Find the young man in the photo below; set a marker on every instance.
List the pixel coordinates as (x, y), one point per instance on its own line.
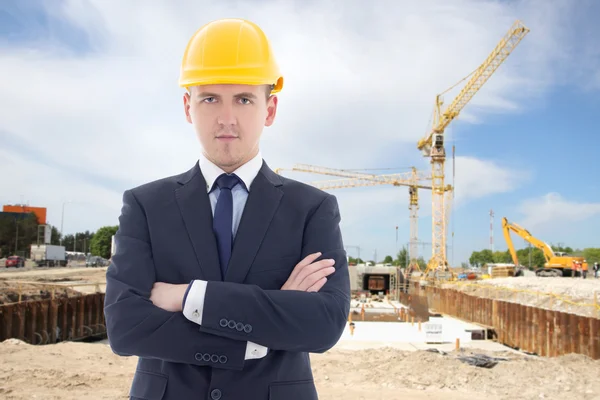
(225, 277)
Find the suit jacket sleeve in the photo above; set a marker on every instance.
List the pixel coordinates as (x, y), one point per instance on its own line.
(137, 327)
(288, 320)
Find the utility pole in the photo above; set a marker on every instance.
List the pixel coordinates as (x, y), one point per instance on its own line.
(62, 220)
(17, 235)
(492, 230)
(396, 255)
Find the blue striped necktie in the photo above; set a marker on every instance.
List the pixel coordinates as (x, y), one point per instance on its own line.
(223, 218)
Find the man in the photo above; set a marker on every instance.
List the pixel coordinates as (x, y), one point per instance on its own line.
(225, 277)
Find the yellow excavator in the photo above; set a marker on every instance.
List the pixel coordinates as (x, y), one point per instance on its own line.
(557, 264)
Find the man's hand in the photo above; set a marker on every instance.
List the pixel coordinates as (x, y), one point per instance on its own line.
(308, 276)
(168, 296)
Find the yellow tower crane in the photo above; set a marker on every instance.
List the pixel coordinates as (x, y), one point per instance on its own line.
(432, 145)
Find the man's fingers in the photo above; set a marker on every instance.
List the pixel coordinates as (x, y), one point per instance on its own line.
(318, 285)
(312, 268)
(306, 261)
(309, 259)
(315, 277)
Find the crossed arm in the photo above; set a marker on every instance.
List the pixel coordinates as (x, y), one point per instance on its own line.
(142, 322)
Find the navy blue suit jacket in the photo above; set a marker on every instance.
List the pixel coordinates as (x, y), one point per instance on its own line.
(165, 235)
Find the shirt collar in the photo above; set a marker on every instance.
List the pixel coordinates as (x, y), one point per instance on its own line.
(246, 172)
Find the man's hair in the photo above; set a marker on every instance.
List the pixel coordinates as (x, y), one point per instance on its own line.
(268, 90)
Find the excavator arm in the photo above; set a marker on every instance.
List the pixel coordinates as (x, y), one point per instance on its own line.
(509, 243)
(524, 233)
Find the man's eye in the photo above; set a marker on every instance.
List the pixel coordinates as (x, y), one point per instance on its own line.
(245, 100)
(209, 100)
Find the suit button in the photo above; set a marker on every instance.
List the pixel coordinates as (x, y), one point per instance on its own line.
(206, 357)
(223, 359)
(198, 356)
(239, 326)
(223, 322)
(248, 328)
(231, 324)
(215, 394)
(214, 358)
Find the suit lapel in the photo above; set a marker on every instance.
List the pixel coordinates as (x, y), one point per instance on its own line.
(196, 211)
(261, 205)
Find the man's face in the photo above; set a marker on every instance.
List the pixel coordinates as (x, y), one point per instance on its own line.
(229, 120)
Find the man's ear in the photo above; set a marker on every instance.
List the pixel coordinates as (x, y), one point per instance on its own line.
(186, 105)
(271, 110)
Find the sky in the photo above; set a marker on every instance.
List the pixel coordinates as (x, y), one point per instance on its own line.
(90, 107)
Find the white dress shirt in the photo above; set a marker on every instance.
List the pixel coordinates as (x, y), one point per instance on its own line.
(194, 302)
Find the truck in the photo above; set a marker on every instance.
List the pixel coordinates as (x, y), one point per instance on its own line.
(48, 255)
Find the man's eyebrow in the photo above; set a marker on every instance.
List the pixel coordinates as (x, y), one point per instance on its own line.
(247, 95)
(238, 95)
(207, 94)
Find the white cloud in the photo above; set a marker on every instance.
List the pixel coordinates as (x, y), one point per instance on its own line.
(27, 181)
(477, 178)
(552, 210)
(359, 80)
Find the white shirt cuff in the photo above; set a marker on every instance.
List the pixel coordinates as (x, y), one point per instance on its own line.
(254, 351)
(194, 303)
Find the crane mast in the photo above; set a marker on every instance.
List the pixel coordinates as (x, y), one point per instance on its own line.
(433, 144)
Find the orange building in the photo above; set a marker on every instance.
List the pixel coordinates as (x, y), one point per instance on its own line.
(40, 212)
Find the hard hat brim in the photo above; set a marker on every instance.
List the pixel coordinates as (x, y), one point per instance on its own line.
(232, 80)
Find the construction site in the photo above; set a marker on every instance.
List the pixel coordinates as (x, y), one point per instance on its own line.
(502, 331)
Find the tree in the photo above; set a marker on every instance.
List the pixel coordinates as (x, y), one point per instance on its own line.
(479, 258)
(402, 258)
(501, 257)
(388, 260)
(475, 259)
(17, 232)
(55, 236)
(352, 260)
(591, 255)
(101, 241)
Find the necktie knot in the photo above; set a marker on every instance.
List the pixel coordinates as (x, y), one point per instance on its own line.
(225, 181)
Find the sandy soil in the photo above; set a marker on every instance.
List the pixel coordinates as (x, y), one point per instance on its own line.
(91, 371)
(54, 274)
(65, 276)
(572, 295)
(9, 292)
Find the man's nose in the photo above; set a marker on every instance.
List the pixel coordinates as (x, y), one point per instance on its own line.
(227, 115)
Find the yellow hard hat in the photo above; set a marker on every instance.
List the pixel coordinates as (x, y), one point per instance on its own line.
(230, 51)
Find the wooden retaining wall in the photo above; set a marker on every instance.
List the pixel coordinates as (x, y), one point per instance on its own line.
(531, 329)
(53, 320)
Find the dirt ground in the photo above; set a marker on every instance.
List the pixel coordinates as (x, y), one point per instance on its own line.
(71, 371)
(9, 292)
(54, 274)
(572, 295)
(81, 279)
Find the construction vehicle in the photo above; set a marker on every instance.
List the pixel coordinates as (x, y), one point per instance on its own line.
(557, 264)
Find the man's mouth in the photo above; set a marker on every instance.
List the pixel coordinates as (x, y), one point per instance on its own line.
(226, 138)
